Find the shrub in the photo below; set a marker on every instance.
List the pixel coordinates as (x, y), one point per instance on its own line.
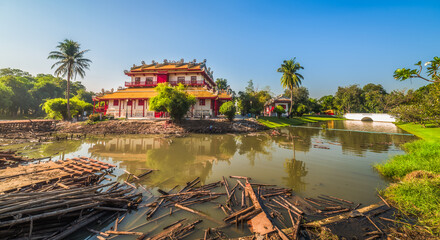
(56, 108)
(173, 100)
(228, 109)
(279, 110)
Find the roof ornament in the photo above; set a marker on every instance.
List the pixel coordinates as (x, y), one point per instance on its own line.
(153, 62)
(181, 60)
(204, 61)
(195, 60)
(125, 71)
(143, 62)
(165, 61)
(134, 65)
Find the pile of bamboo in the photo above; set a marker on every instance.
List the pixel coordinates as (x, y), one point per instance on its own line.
(52, 200)
(58, 213)
(11, 159)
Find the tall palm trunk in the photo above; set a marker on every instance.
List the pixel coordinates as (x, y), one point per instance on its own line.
(291, 102)
(68, 96)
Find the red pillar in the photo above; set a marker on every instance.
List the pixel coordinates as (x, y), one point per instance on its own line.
(216, 108)
(93, 105)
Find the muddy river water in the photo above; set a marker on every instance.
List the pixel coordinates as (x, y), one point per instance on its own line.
(334, 158)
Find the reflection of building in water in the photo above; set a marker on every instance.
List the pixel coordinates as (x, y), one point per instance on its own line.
(178, 159)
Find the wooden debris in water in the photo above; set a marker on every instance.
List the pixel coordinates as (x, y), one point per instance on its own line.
(67, 196)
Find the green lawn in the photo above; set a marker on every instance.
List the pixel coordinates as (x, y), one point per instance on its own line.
(418, 172)
(427, 133)
(274, 122)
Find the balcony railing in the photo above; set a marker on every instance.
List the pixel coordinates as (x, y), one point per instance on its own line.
(172, 83)
(140, 84)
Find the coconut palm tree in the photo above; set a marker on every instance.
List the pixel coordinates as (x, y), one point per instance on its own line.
(291, 78)
(71, 62)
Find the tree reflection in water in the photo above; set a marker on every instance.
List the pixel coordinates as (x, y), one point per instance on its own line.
(255, 146)
(178, 160)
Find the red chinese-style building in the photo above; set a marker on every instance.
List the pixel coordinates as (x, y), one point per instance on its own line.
(133, 100)
(270, 105)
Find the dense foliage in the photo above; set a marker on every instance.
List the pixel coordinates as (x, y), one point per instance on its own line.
(222, 84)
(252, 100)
(279, 111)
(56, 108)
(24, 94)
(228, 109)
(173, 100)
(424, 106)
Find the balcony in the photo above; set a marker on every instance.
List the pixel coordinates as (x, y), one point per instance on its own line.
(154, 84)
(140, 84)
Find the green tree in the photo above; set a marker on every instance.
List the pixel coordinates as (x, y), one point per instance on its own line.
(173, 100)
(222, 83)
(228, 109)
(70, 63)
(291, 78)
(252, 100)
(300, 96)
(374, 96)
(5, 97)
(21, 100)
(46, 87)
(424, 106)
(327, 102)
(349, 99)
(279, 111)
(432, 71)
(314, 105)
(396, 98)
(14, 72)
(56, 108)
(86, 96)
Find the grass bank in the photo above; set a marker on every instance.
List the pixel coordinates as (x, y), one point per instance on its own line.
(429, 133)
(274, 122)
(418, 171)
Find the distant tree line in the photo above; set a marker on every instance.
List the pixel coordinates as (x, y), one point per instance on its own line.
(22, 94)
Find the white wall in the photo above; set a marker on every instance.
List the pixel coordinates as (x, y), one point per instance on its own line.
(144, 78)
(379, 117)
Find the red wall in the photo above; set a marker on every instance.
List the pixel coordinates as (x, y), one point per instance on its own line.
(161, 78)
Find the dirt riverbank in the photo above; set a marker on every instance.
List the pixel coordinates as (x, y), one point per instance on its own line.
(217, 126)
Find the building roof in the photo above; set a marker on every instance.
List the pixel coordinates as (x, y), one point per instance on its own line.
(224, 95)
(172, 67)
(143, 93)
(278, 99)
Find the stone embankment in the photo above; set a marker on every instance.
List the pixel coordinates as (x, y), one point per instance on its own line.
(217, 126)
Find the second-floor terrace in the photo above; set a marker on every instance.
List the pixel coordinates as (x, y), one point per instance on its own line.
(154, 82)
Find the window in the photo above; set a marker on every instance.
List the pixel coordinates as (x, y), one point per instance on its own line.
(181, 80)
(129, 103)
(137, 80)
(141, 103)
(149, 80)
(193, 79)
(202, 102)
(115, 102)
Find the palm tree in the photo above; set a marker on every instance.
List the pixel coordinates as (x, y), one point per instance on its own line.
(71, 62)
(290, 79)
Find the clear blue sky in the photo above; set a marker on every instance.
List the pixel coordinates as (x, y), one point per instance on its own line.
(338, 42)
